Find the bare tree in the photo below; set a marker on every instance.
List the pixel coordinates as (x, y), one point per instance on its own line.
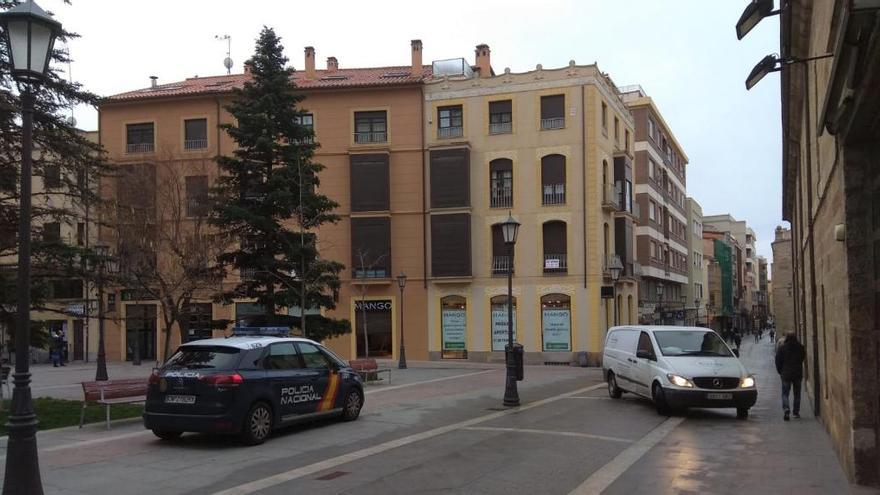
(365, 264)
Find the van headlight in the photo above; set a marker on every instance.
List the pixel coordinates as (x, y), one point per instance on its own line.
(679, 381)
(747, 382)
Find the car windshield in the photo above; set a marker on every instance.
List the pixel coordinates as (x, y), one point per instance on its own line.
(691, 343)
(195, 357)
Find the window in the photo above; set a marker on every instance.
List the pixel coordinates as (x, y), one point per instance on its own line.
(553, 112)
(451, 245)
(553, 180)
(51, 176)
(80, 234)
(370, 127)
(371, 247)
(501, 262)
(67, 289)
(369, 182)
(653, 250)
(500, 117)
(205, 358)
(195, 134)
(604, 118)
(198, 319)
(616, 130)
(306, 120)
(449, 122)
(651, 167)
(651, 127)
(283, 356)
(556, 322)
(555, 247)
(196, 195)
(139, 138)
(313, 357)
(652, 213)
(501, 183)
(626, 140)
(52, 232)
(645, 343)
(450, 178)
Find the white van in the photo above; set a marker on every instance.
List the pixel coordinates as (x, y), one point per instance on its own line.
(677, 368)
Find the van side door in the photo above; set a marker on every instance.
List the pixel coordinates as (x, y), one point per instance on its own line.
(643, 364)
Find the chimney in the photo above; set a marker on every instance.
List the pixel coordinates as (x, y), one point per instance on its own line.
(482, 60)
(332, 64)
(310, 62)
(154, 81)
(247, 68)
(416, 56)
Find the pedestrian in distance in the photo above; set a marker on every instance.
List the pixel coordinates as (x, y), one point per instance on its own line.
(55, 349)
(737, 339)
(790, 366)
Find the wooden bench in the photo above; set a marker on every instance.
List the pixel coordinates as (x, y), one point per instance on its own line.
(369, 368)
(107, 393)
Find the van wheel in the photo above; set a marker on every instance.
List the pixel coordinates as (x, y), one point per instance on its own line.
(167, 435)
(257, 424)
(353, 404)
(660, 400)
(742, 412)
(613, 390)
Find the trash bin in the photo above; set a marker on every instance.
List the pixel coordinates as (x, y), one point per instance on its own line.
(515, 360)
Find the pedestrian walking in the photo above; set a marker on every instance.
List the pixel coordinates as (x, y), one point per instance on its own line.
(737, 339)
(790, 366)
(55, 349)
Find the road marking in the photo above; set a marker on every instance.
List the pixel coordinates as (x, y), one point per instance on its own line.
(595, 397)
(550, 432)
(607, 474)
(386, 389)
(284, 477)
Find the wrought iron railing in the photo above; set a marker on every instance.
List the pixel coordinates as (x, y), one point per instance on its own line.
(500, 265)
(370, 137)
(555, 263)
(195, 144)
(139, 148)
(501, 128)
(554, 194)
(449, 132)
(553, 123)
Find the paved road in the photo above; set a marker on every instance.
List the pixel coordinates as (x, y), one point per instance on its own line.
(439, 428)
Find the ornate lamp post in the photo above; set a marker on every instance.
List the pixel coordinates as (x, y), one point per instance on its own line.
(683, 309)
(105, 266)
(401, 361)
(660, 301)
(30, 38)
(615, 268)
(509, 230)
(696, 311)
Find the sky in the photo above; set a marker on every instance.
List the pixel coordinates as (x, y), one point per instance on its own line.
(684, 53)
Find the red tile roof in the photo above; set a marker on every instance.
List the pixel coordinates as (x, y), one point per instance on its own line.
(341, 78)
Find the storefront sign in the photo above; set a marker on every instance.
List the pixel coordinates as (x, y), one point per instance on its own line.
(454, 324)
(551, 263)
(373, 305)
(556, 329)
(499, 328)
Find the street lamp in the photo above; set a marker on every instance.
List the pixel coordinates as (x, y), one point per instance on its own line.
(754, 13)
(660, 301)
(30, 38)
(509, 230)
(615, 268)
(105, 265)
(401, 362)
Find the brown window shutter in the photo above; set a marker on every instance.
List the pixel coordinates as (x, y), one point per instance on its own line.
(372, 237)
(451, 245)
(553, 169)
(555, 238)
(369, 182)
(450, 178)
(500, 165)
(553, 107)
(498, 247)
(503, 106)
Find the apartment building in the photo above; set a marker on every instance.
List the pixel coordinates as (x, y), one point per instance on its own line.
(782, 307)
(762, 304)
(368, 123)
(660, 173)
(697, 299)
(719, 255)
(746, 266)
(554, 149)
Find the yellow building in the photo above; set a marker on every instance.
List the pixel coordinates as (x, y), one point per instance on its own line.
(552, 148)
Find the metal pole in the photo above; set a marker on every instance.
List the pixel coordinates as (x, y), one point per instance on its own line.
(511, 395)
(101, 372)
(401, 362)
(22, 461)
(614, 293)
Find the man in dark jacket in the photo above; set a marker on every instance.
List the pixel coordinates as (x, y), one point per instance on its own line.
(790, 366)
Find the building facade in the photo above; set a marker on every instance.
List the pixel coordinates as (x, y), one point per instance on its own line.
(782, 306)
(661, 234)
(552, 148)
(719, 254)
(696, 294)
(831, 196)
(745, 272)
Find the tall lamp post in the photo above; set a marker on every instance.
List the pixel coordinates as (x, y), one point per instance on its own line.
(509, 230)
(30, 38)
(660, 301)
(696, 311)
(105, 266)
(615, 268)
(683, 307)
(401, 361)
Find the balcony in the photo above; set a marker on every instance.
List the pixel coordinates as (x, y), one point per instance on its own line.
(370, 137)
(501, 197)
(554, 194)
(500, 265)
(195, 144)
(611, 197)
(449, 132)
(501, 128)
(371, 273)
(556, 263)
(139, 148)
(553, 123)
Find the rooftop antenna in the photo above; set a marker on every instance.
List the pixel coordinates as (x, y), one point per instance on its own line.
(227, 62)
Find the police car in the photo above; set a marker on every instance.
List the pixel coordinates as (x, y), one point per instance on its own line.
(249, 385)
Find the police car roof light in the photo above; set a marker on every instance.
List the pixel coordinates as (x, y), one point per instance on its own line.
(260, 331)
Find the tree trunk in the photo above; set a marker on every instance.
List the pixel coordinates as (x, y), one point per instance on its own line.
(364, 313)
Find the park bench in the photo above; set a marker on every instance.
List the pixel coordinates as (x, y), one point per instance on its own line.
(110, 392)
(369, 369)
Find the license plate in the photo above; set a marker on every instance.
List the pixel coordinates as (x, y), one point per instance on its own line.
(180, 399)
(719, 396)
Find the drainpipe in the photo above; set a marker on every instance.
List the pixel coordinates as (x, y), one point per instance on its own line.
(424, 192)
(584, 169)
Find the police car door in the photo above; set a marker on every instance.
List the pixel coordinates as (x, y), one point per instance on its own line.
(324, 378)
(284, 370)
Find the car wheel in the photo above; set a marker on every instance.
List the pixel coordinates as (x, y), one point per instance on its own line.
(660, 400)
(613, 390)
(167, 435)
(257, 424)
(742, 412)
(353, 404)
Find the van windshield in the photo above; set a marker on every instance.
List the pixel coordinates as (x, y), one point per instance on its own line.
(691, 343)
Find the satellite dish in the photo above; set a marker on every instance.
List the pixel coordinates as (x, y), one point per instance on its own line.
(227, 62)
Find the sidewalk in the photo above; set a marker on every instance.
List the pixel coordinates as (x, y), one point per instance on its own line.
(64, 382)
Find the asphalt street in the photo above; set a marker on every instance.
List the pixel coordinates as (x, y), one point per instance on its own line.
(441, 428)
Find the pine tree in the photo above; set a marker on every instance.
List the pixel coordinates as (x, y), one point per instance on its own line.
(269, 186)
